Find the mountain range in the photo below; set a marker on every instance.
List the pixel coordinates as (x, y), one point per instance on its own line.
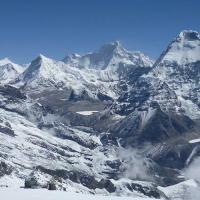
(107, 122)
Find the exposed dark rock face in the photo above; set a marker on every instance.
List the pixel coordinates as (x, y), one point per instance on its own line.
(5, 169)
(33, 181)
(108, 185)
(103, 97)
(51, 185)
(7, 130)
(79, 97)
(149, 191)
(12, 92)
(160, 126)
(78, 177)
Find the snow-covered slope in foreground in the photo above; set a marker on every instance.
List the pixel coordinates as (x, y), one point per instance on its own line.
(187, 190)
(21, 194)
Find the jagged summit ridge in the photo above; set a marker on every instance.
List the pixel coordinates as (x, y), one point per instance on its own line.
(41, 66)
(108, 56)
(9, 70)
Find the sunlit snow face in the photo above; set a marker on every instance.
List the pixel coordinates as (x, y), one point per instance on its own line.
(185, 49)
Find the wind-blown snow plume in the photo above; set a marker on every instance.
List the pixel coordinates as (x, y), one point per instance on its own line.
(134, 164)
(192, 172)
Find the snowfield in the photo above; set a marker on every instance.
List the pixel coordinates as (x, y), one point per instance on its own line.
(40, 194)
(87, 113)
(194, 141)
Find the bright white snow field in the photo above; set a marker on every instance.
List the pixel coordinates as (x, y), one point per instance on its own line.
(41, 194)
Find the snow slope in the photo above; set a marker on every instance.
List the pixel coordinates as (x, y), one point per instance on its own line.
(194, 141)
(22, 194)
(186, 190)
(86, 112)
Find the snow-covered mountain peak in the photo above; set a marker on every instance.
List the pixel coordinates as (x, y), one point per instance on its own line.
(113, 54)
(178, 67)
(42, 59)
(109, 56)
(5, 61)
(9, 70)
(41, 66)
(183, 50)
(99, 59)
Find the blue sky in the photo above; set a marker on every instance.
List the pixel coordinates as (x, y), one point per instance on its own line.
(58, 27)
